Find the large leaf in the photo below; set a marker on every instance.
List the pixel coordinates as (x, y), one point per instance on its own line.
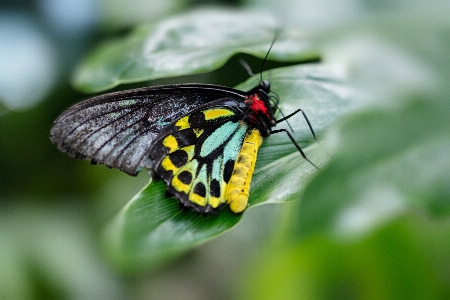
(389, 162)
(391, 263)
(193, 43)
(392, 158)
(152, 228)
(49, 253)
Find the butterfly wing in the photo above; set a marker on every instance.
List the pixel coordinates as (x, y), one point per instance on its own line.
(196, 154)
(118, 129)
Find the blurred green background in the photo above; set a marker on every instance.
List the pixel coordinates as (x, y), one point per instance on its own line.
(374, 224)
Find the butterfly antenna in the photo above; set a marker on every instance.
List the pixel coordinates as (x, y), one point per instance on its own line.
(277, 34)
(276, 96)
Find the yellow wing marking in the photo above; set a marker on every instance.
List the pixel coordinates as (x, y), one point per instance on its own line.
(190, 151)
(183, 123)
(239, 184)
(197, 199)
(217, 113)
(198, 131)
(180, 186)
(167, 163)
(170, 142)
(201, 179)
(215, 201)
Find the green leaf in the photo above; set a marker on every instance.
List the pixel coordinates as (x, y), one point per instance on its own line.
(50, 253)
(388, 162)
(192, 43)
(391, 263)
(152, 228)
(392, 157)
(118, 14)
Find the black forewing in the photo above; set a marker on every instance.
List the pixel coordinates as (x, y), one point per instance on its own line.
(118, 129)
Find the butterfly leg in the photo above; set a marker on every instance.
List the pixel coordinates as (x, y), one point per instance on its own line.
(309, 125)
(296, 145)
(306, 118)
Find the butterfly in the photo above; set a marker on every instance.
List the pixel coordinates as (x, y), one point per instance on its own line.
(201, 139)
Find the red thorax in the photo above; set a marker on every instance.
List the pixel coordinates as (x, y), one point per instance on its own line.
(257, 107)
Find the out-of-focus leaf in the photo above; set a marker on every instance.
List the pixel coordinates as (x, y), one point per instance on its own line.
(152, 228)
(117, 14)
(388, 162)
(389, 264)
(47, 254)
(27, 64)
(193, 43)
(392, 157)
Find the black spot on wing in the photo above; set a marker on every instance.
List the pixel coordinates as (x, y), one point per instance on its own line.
(200, 189)
(185, 177)
(186, 137)
(228, 170)
(214, 188)
(179, 158)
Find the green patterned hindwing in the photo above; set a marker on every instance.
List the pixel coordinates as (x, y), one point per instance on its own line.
(195, 154)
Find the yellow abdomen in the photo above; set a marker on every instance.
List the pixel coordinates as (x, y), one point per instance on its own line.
(239, 184)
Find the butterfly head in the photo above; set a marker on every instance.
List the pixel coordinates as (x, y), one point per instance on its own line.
(264, 85)
(260, 114)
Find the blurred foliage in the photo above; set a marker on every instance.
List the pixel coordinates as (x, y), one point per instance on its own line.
(373, 224)
(402, 260)
(197, 42)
